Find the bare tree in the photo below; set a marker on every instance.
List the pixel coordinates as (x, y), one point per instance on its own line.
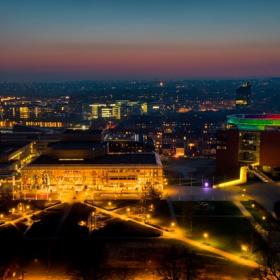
(123, 273)
(270, 268)
(171, 267)
(150, 195)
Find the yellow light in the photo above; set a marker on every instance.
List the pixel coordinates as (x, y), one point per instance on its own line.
(128, 209)
(205, 235)
(243, 195)
(172, 224)
(264, 218)
(148, 216)
(253, 205)
(244, 190)
(82, 223)
(1, 216)
(242, 178)
(244, 248)
(109, 203)
(13, 210)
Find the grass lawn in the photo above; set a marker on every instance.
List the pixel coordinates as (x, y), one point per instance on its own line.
(221, 220)
(209, 208)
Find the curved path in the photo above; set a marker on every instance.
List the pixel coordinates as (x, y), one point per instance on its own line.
(176, 235)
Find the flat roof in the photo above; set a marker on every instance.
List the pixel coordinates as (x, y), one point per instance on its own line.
(110, 159)
(75, 145)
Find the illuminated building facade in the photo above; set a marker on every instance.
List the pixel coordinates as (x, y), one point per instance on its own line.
(247, 140)
(13, 156)
(87, 167)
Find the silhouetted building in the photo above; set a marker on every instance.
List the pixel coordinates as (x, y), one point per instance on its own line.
(243, 95)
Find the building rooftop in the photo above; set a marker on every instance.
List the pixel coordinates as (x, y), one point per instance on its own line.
(110, 159)
(73, 145)
(257, 122)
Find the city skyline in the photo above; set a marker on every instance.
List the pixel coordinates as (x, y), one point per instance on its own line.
(69, 40)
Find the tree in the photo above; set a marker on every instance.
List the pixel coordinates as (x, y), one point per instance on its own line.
(123, 273)
(171, 266)
(270, 267)
(150, 195)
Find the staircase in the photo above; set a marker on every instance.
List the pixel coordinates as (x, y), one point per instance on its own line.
(261, 175)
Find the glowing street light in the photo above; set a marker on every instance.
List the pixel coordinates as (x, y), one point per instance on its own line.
(127, 209)
(172, 224)
(253, 205)
(263, 218)
(205, 235)
(82, 223)
(206, 185)
(148, 216)
(1, 216)
(244, 248)
(109, 203)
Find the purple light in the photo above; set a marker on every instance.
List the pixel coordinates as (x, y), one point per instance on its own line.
(206, 184)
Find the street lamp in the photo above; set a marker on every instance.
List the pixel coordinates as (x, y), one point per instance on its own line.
(244, 248)
(205, 235)
(253, 205)
(263, 218)
(172, 224)
(127, 209)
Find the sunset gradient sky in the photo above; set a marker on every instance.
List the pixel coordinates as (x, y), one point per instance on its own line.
(138, 39)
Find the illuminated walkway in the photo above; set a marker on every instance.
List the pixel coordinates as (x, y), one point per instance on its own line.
(27, 216)
(242, 179)
(180, 237)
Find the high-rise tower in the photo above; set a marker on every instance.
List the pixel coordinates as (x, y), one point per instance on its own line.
(243, 95)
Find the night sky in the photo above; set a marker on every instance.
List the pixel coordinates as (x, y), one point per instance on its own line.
(133, 39)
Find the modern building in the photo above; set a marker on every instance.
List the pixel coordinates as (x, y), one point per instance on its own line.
(13, 156)
(86, 166)
(243, 95)
(249, 140)
(118, 110)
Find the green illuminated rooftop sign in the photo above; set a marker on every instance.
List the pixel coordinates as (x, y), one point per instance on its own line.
(254, 122)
